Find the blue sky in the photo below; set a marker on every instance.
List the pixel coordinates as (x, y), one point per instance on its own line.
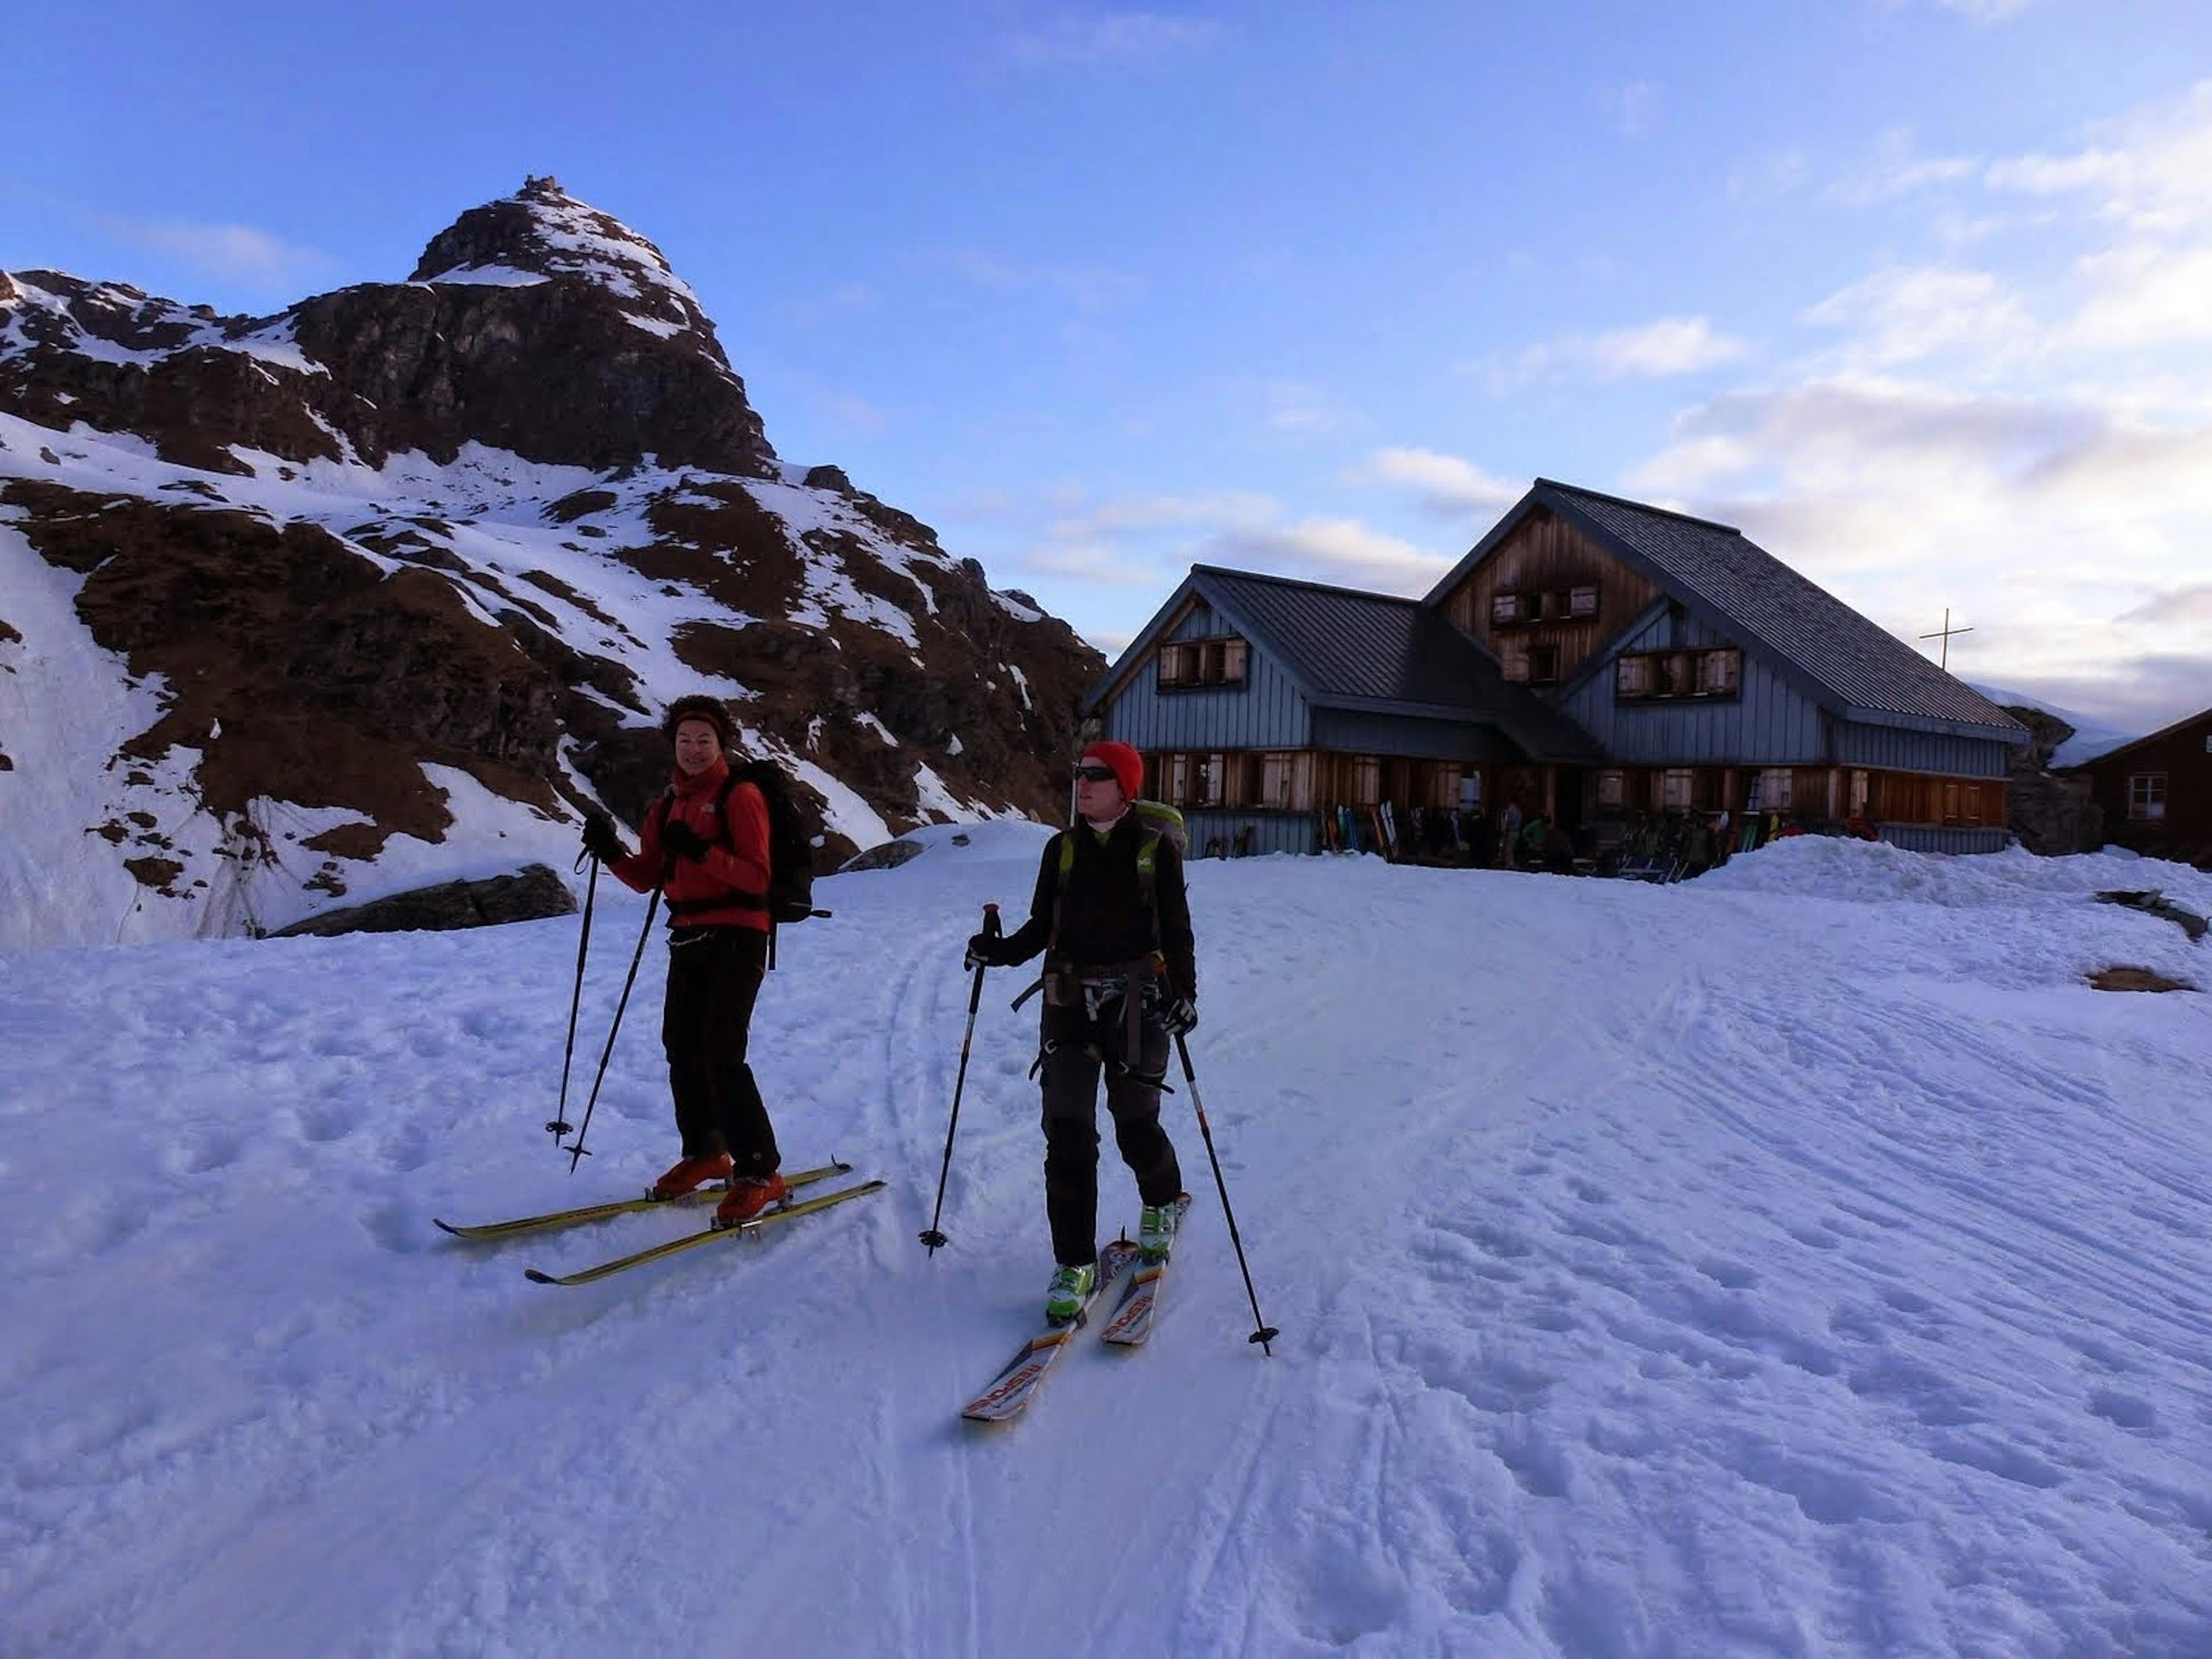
(1919, 294)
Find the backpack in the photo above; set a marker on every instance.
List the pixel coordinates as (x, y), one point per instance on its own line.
(790, 896)
(1157, 821)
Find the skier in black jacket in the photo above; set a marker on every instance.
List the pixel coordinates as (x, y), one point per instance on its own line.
(1121, 979)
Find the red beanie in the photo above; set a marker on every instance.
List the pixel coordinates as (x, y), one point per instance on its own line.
(1128, 765)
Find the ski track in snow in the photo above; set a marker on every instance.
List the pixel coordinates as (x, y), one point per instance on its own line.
(1709, 1271)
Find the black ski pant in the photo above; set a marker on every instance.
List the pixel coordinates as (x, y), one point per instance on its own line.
(1076, 1050)
(713, 977)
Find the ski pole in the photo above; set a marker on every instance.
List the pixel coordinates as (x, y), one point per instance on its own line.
(559, 1126)
(933, 1237)
(577, 1153)
(1264, 1334)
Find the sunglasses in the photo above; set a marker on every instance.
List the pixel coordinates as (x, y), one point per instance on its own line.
(1095, 774)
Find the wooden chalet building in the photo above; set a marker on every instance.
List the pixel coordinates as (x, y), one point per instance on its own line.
(1591, 658)
(2157, 791)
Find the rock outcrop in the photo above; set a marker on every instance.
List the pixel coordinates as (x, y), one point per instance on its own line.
(477, 525)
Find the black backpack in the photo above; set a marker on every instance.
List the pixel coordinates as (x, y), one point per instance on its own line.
(790, 896)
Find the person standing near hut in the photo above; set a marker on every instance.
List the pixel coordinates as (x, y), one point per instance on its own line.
(705, 845)
(1112, 917)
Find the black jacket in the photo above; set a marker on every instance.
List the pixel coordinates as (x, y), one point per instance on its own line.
(1103, 919)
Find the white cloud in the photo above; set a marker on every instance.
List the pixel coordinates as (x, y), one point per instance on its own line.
(1447, 485)
(2072, 536)
(1894, 170)
(236, 254)
(1901, 314)
(1340, 551)
(1986, 11)
(2151, 170)
(2146, 295)
(1671, 346)
(1071, 37)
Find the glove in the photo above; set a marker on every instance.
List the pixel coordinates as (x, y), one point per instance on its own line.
(984, 950)
(680, 840)
(1180, 1016)
(601, 839)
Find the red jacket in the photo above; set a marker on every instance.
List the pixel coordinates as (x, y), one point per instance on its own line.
(736, 860)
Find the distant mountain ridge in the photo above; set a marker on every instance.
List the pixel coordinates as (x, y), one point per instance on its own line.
(296, 607)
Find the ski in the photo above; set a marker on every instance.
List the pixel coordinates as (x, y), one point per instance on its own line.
(487, 1231)
(1018, 1381)
(691, 1241)
(1131, 1319)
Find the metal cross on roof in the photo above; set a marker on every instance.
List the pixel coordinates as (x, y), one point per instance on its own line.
(1944, 634)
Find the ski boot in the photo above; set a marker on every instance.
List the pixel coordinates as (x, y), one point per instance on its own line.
(1156, 1230)
(688, 1175)
(748, 1196)
(1069, 1291)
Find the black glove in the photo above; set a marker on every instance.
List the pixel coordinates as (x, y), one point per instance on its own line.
(984, 950)
(1180, 1016)
(679, 840)
(601, 839)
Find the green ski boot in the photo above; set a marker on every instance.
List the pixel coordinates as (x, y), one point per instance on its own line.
(1070, 1288)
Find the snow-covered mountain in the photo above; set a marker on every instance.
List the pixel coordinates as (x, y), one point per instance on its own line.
(1801, 1261)
(2085, 737)
(313, 607)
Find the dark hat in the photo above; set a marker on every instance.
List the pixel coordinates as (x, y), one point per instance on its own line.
(701, 707)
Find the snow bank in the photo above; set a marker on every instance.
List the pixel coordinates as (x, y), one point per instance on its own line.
(1772, 1264)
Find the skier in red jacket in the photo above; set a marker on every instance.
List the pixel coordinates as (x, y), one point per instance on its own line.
(705, 844)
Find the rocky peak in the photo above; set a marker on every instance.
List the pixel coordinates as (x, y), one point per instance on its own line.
(542, 234)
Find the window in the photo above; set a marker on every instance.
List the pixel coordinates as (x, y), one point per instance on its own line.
(1860, 791)
(1769, 792)
(1581, 603)
(1470, 791)
(1514, 662)
(1505, 607)
(1544, 664)
(1212, 780)
(1275, 772)
(1178, 780)
(2147, 795)
(1613, 790)
(1714, 673)
(1190, 663)
(1679, 792)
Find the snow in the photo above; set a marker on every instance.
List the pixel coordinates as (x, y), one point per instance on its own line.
(491, 276)
(487, 508)
(1797, 1261)
(2092, 737)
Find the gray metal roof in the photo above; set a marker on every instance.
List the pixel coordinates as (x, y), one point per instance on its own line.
(1865, 669)
(1353, 650)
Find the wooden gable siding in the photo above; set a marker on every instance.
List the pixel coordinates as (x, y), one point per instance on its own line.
(1199, 621)
(2182, 755)
(1545, 553)
(1267, 711)
(1769, 722)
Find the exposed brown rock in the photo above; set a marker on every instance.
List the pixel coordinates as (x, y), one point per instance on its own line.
(2050, 814)
(532, 894)
(2136, 979)
(301, 670)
